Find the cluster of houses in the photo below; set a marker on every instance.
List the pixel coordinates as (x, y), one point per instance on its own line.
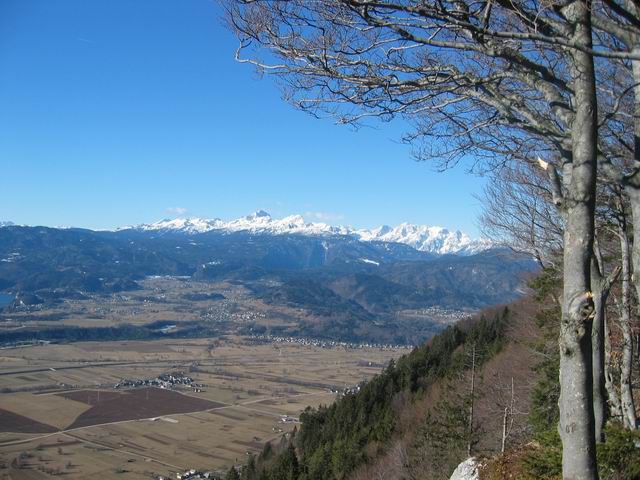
(350, 390)
(288, 419)
(219, 312)
(165, 380)
(314, 342)
(225, 311)
(191, 474)
(283, 419)
(443, 315)
(194, 474)
(346, 390)
(248, 316)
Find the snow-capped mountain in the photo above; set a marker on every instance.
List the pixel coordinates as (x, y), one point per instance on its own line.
(185, 225)
(435, 240)
(426, 239)
(6, 224)
(258, 222)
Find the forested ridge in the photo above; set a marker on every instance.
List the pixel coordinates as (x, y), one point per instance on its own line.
(421, 416)
(333, 441)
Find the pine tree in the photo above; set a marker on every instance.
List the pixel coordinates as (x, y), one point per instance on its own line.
(232, 474)
(249, 470)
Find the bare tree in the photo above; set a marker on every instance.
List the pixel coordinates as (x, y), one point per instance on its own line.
(618, 25)
(626, 392)
(615, 408)
(392, 466)
(601, 284)
(500, 81)
(518, 213)
(472, 398)
(507, 419)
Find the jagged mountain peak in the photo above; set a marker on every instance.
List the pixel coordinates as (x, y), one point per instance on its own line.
(432, 239)
(426, 238)
(259, 214)
(186, 225)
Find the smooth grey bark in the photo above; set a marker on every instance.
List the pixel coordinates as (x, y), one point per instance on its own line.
(577, 423)
(601, 287)
(626, 367)
(632, 189)
(598, 360)
(613, 398)
(624, 404)
(632, 186)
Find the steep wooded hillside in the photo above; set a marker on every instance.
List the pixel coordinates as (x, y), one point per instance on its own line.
(486, 387)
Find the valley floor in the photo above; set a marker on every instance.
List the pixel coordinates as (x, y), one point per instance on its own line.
(196, 403)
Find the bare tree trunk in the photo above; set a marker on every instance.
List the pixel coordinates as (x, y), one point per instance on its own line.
(637, 343)
(615, 410)
(601, 287)
(597, 341)
(626, 391)
(507, 419)
(576, 426)
(472, 402)
(632, 189)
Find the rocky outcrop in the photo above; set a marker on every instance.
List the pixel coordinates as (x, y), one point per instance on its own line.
(467, 470)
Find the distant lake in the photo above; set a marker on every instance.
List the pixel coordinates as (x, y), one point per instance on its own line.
(5, 299)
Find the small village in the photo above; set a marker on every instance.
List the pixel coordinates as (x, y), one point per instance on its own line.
(314, 342)
(191, 474)
(165, 380)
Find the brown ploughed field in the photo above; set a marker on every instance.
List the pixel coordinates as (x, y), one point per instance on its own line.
(12, 422)
(136, 404)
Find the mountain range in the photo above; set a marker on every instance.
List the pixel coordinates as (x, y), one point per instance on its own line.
(436, 240)
(357, 284)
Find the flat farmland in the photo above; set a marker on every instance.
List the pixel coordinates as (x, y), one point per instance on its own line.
(61, 413)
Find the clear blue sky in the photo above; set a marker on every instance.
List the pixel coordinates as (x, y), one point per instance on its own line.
(116, 112)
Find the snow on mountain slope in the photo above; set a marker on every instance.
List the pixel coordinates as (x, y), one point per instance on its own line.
(186, 225)
(436, 240)
(262, 222)
(258, 222)
(427, 239)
